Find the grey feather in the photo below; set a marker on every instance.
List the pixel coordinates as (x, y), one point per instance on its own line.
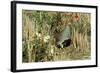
(62, 36)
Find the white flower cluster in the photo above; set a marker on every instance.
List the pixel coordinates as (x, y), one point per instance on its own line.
(38, 34)
(45, 38)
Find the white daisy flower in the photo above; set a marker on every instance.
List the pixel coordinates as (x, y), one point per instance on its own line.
(38, 34)
(46, 38)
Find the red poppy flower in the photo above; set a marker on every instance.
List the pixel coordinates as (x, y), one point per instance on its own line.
(76, 17)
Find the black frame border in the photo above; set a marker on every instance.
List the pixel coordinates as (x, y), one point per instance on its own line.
(13, 35)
